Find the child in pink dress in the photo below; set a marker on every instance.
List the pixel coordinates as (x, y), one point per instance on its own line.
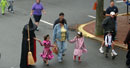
(47, 53)
(80, 47)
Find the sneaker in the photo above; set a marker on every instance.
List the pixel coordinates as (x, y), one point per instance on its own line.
(114, 53)
(63, 54)
(101, 50)
(12, 12)
(47, 64)
(60, 61)
(113, 56)
(37, 29)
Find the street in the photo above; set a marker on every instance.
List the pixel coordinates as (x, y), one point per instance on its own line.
(76, 12)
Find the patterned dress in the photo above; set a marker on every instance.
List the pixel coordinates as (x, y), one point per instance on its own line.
(47, 53)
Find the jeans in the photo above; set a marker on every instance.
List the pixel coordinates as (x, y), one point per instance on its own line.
(61, 49)
(11, 5)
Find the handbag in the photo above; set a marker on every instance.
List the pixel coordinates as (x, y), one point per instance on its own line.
(55, 49)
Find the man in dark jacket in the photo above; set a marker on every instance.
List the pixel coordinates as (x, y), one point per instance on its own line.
(61, 18)
(127, 41)
(109, 25)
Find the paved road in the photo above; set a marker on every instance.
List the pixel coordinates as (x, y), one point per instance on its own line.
(76, 12)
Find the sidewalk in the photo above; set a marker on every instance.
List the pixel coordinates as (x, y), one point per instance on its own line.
(123, 21)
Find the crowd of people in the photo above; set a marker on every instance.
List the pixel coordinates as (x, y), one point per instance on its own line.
(61, 35)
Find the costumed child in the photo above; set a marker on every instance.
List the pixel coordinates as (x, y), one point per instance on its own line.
(109, 44)
(3, 5)
(47, 53)
(80, 47)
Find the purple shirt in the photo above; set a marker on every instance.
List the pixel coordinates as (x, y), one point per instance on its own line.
(37, 9)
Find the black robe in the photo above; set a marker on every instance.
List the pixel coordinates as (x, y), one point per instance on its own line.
(127, 41)
(24, 50)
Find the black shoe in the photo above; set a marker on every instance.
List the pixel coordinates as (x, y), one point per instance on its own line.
(3, 14)
(63, 54)
(106, 56)
(44, 61)
(47, 64)
(113, 57)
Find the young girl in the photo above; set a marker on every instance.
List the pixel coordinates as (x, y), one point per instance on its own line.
(80, 47)
(47, 53)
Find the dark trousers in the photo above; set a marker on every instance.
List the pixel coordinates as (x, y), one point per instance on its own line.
(107, 49)
(128, 55)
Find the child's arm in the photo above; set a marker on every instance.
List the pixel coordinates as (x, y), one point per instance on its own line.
(73, 40)
(40, 42)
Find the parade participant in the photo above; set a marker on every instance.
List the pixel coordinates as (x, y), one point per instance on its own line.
(36, 11)
(113, 8)
(25, 48)
(61, 17)
(3, 5)
(109, 25)
(127, 41)
(47, 53)
(10, 7)
(80, 47)
(60, 34)
(109, 44)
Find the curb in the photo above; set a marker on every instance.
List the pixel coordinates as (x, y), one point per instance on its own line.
(87, 34)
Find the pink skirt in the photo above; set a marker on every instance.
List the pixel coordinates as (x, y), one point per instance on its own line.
(78, 52)
(47, 54)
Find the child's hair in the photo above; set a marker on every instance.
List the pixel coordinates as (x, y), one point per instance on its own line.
(80, 34)
(45, 37)
(109, 32)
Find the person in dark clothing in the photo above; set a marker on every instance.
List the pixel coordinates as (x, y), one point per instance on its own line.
(109, 25)
(25, 48)
(61, 18)
(127, 41)
(113, 8)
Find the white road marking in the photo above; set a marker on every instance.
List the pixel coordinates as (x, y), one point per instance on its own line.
(119, 1)
(46, 22)
(91, 16)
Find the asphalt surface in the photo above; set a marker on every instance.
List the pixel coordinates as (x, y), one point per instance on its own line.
(76, 12)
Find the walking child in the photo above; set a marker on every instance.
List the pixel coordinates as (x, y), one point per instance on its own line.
(3, 5)
(47, 53)
(109, 44)
(80, 47)
(10, 7)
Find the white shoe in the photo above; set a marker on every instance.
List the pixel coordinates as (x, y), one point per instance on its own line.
(114, 53)
(101, 50)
